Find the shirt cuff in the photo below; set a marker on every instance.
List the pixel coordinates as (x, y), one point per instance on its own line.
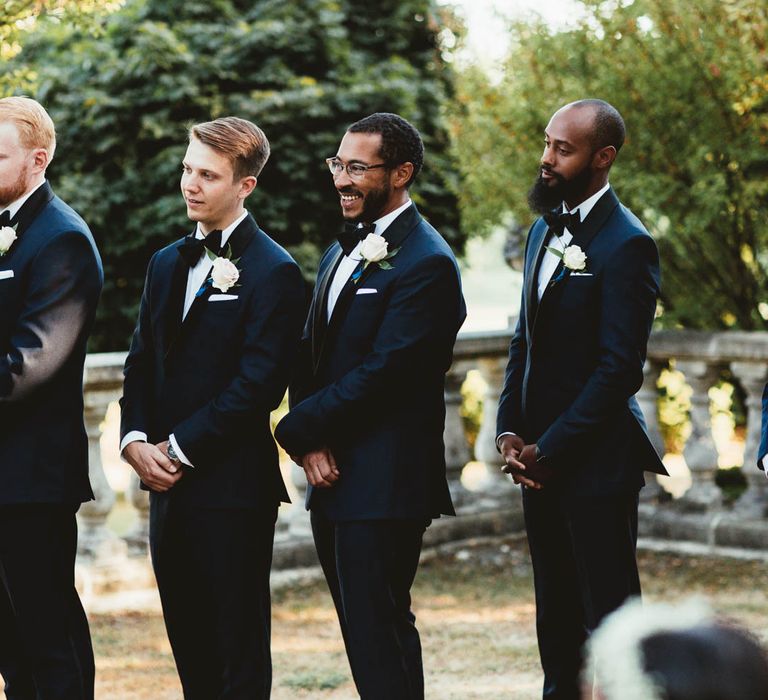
(764, 462)
(498, 439)
(182, 457)
(132, 436)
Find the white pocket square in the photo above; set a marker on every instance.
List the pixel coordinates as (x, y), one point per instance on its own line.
(222, 297)
(582, 274)
(6, 274)
(366, 290)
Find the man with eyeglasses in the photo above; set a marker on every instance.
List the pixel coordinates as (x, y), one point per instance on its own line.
(367, 416)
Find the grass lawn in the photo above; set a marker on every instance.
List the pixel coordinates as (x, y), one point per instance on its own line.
(474, 608)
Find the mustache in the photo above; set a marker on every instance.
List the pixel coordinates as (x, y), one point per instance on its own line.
(349, 190)
(549, 171)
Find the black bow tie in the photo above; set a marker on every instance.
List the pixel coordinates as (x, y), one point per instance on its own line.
(353, 234)
(558, 221)
(192, 248)
(5, 218)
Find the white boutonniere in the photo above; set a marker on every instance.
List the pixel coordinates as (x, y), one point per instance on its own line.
(573, 257)
(374, 251)
(7, 238)
(224, 273)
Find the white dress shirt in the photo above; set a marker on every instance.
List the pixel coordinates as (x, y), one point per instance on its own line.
(14, 206)
(195, 279)
(350, 262)
(550, 261)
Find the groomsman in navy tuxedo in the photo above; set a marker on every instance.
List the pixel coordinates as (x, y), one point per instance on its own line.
(367, 415)
(218, 327)
(50, 281)
(569, 427)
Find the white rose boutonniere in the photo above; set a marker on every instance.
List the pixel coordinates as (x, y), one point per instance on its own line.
(7, 238)
(224, 274)
(374, 250)
(574, 258)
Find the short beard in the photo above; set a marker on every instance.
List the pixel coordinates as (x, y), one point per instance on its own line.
(10, 194)
(373, 203)
(544, 195)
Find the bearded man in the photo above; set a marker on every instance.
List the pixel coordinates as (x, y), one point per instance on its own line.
(569, 428)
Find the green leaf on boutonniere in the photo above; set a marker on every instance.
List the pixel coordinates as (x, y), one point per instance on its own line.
(555, 251)
(384, 265)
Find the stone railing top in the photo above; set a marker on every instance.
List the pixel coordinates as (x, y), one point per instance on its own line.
(104, 371)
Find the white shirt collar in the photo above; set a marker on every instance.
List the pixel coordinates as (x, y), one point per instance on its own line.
(226, 232)
(383, 223)
(586, 206)
(14, 207)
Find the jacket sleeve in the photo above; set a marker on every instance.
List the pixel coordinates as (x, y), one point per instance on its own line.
(272, 331)
(509, 418)
(424, 312)
(629, 290)
(59, 305)
(763, 449)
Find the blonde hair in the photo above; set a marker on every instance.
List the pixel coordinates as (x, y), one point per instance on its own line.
(35, 126)
(242, 142)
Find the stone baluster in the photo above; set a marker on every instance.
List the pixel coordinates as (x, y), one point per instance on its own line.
(138, 538)
(752, 377)
(700, 452)
(96, 542)
(648, 398)
(299, 526)
(456, 446)
(492, 371)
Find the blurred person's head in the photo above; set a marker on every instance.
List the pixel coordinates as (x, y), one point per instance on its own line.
(27, 144)
(673, 652)
(581, 142)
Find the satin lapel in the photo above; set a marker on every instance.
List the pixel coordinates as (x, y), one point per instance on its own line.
(320, 305)
(175, 301)
(595, 220)
(32, 207)
(531, 281)
(395, 235)
(238, 242)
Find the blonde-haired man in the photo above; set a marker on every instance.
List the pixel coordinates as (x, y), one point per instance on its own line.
(50, 281)
(218, 327)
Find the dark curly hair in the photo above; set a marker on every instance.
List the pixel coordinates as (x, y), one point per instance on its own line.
(400, 141)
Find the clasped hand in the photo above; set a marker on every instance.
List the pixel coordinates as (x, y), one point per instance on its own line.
(152, 464)
(520, 462)
(320, 468)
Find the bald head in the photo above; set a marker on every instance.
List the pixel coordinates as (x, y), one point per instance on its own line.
(606, 126)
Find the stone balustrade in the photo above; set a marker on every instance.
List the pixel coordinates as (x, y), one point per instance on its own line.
(490, 503)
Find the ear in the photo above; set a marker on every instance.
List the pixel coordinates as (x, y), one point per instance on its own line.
(401, 174)
(603, 159)
(247, 185)
(40, 160)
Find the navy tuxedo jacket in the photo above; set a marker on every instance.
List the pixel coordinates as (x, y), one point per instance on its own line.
(213, 380)
(576, 357)
(370, 384)
(50, 281)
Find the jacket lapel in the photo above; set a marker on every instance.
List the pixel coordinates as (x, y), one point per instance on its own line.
(539, 234)
(320, 305)
(239, 240)
(595, 220)
(32, 207)
(395, 236)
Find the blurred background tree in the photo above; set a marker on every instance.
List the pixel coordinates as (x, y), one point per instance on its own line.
(123, 92)
(691, 80)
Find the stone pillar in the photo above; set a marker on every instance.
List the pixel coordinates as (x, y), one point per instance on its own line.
(752, 377)
(97, 543)
(299, 526)
(456, 447)
(700, 452)
(648, 398)
(492, 371)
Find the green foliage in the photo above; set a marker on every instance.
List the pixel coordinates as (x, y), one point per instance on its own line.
(691, 80)
(123, 99)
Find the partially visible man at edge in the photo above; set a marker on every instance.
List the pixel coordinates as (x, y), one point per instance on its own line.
(50, 281)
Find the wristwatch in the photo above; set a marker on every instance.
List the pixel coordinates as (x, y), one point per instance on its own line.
(172, 453)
